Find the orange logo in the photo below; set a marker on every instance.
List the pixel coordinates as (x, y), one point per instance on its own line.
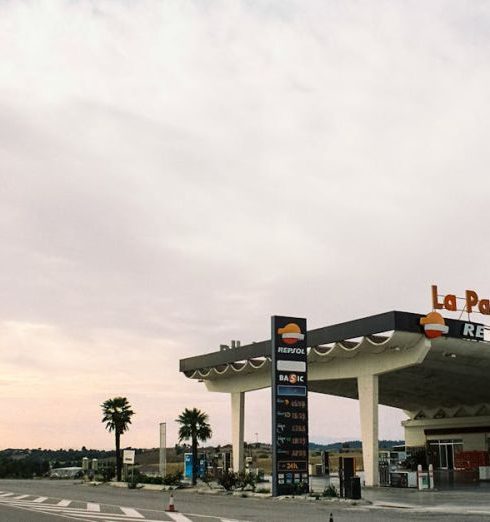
(434, 325)
(291, 333)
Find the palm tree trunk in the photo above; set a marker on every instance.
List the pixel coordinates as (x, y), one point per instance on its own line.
(118, 456)
(194, 461)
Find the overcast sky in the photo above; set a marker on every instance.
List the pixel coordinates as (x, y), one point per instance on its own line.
(173, 173)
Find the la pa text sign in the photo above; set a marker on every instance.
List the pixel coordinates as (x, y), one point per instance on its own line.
(472, 302)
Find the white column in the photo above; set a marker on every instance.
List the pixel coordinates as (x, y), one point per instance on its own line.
(237, 429)
(367, 386)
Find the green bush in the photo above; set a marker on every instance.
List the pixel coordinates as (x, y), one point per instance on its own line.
(295, 489)
(331, 491)
(230, 480)
(107, 473)
(172, 479)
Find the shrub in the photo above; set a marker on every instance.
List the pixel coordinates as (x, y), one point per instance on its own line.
(107, 473)
(172, 479)
(331, 491)
(295, 489)
(230, 480)
(247, 480)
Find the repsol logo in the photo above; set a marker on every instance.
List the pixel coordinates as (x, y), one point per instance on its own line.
(291, 350)
(292, 378)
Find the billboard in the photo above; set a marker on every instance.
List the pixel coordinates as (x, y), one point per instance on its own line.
(128, 456)
(289, 406)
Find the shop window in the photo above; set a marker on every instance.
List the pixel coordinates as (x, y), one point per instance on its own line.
(444, 451)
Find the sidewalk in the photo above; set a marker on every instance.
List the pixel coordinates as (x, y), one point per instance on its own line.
(460, 499)
(464, 499)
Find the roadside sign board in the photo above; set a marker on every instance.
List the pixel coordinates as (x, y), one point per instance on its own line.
(128, 456)
(289, 406)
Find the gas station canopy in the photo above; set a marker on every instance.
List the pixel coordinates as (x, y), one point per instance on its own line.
(454, 370)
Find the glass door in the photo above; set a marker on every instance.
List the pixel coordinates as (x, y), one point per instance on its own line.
(443, 452)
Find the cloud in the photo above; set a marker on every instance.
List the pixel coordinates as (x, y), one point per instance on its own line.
(174, 173)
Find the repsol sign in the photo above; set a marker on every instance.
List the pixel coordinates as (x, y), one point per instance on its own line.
(434, 326)
(473, 331)
(290, 350)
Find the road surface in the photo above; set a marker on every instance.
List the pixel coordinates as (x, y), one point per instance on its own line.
(44, 500)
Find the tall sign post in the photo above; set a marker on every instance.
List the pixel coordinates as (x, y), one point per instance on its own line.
(289, 406)
(162, 468)
(128, 458)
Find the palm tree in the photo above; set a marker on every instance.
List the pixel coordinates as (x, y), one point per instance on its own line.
(194, 425)
(117, 416)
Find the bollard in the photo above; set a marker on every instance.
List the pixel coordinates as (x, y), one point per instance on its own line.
(431, 476)
(331, 518)
(171, 505)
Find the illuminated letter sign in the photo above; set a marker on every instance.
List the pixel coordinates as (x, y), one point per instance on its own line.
(471, 300)
(289, 406)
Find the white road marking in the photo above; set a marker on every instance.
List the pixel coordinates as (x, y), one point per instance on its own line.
(131, 512)
(178, 517)
(93, 511)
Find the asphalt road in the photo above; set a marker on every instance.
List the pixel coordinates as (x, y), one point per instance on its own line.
(44, 500)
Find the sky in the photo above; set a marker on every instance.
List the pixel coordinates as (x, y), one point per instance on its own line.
(173, 173)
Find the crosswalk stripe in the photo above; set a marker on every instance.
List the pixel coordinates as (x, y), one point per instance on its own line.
(93, 510)
(131, 512)
(178, 517)
(92, 506)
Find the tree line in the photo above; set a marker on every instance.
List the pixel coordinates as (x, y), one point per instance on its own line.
(194, 426)
(27, 467)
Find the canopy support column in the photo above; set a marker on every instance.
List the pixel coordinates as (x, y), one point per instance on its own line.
(237, 429)
(367, 386)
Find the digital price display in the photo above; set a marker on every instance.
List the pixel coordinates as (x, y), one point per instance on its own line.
(289, 406)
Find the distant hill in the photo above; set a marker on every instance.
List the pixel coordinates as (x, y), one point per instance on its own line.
(352, 444)
(72, 457)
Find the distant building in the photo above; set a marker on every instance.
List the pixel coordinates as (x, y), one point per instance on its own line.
(66, 473)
